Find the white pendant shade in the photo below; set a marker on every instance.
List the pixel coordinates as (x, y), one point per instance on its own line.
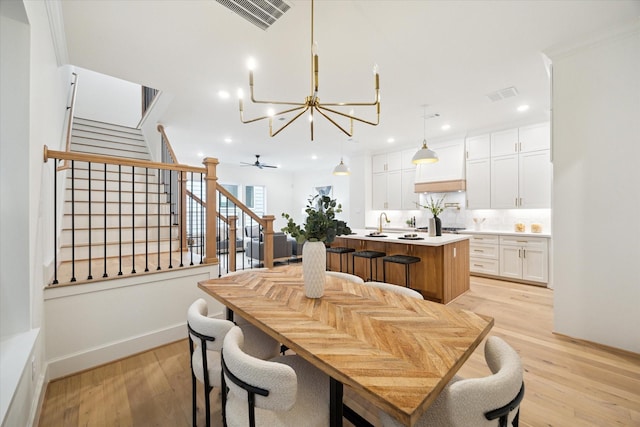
(341, 169)
(424, 155)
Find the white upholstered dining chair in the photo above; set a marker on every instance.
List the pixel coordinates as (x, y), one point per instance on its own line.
(284, 391)
(206, 336)
(491, 401)
(346, 276)
(395, 288)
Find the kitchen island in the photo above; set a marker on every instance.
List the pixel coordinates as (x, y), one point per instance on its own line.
(441, 275)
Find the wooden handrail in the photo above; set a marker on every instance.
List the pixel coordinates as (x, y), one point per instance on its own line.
(95, 158)
(169, 147)
(71, 109)
(241, 205)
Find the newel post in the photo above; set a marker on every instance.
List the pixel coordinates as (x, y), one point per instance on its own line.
(268, 240)
(211, 181)
(231, 247)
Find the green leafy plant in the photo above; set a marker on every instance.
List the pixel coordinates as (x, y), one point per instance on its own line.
(436, 207)
(321, 224)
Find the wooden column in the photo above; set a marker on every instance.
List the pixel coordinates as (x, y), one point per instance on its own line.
(183, 208)
(231, 246)
(268, 240)
(211, 181)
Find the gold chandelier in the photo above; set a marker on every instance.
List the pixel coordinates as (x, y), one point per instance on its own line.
(312, 102)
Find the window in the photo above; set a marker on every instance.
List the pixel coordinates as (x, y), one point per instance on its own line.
(255, 199)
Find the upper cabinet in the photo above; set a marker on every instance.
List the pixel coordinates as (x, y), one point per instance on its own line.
(391, 178)
(514, 172)
(479, 147)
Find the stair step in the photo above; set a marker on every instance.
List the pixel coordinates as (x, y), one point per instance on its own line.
(81, 267)
(82, 195)
(97, 220)
(97, 207)
(97, 173)
(81, 236)
(134, 141)
(83, 128)
(113, 249)
(112, 185)
(108, 151)
(104, 125)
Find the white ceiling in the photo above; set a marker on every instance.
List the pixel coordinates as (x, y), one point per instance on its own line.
(446, 54)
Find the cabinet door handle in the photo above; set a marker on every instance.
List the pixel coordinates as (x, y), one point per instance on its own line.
(524, 253)
(520, 201)
(478, 265)
(516, 202)
(515, 147)
(519, 253)
(478, 250)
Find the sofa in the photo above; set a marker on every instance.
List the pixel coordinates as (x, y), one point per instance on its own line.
(254, 246)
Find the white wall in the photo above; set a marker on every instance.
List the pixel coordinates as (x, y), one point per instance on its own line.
(277, 181)
(36, 90)
(596, 147)
(107, 99)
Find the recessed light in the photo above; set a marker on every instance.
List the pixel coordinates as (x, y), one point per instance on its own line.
(523, 108)
(271, 112)
(391, 140)
(228, 140)
(446, 127)
(201, 154)
(314, 157)
(223, 94)
(251, 64)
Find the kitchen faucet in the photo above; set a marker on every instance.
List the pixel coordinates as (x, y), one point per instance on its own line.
(380, 221)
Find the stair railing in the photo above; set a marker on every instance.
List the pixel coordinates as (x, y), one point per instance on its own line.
(137, 241)
(70, 111)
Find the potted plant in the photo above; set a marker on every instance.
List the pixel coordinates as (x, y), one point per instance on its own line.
(320, 228)
(436, 208)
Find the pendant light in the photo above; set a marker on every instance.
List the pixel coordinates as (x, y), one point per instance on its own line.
(424, 154)
(341, 169)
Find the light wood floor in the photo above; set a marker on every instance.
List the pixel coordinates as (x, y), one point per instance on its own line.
(568, 382)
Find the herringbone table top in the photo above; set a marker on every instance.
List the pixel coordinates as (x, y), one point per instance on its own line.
(395, 351)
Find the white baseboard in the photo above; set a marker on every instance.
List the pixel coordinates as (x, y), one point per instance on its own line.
(96, 356)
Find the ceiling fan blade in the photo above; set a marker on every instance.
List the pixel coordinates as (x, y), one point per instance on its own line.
(268, 166)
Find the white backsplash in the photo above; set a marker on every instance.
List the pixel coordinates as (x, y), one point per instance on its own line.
(495, 219)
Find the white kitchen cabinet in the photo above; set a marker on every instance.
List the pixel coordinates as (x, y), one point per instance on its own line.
(406, 157)
(534, 138)
(386, 162)
(409, 196)
(479, 184)
(504, 182)
(484, 254)
(504, 142)
(534, 180)
(524, 258)
(450, 165)
(387, 190)
(478, 147)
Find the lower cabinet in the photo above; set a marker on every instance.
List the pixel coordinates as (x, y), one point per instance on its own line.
(511, 257)
(524, 258)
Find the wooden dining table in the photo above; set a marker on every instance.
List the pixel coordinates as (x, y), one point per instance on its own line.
(396, 352)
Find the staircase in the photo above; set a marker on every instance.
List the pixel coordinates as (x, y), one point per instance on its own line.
(118, 197)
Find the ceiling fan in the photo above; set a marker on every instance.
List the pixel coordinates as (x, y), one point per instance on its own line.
(258, 164)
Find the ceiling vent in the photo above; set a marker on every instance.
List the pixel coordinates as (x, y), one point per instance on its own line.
(501, 94)
(261, 13)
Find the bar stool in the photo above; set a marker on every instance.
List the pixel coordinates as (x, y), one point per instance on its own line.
(371, 255)
(340, 250)
(406, 260)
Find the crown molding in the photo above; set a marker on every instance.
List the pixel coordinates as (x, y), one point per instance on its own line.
(611, 34)
(56, 24)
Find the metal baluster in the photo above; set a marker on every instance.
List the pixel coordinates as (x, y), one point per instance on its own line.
(105, 222)
(159, 179)
(55, 224)
(146, 220)
(182, 184)
(191, 218)
(170, 215)
(120, 219)
(133, 220)
(202, 216)
(73, 223)
(89, 277)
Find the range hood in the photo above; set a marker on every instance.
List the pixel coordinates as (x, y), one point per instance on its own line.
(440, 186)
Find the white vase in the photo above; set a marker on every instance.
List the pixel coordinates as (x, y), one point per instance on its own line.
(432, 227)
(314, 264)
